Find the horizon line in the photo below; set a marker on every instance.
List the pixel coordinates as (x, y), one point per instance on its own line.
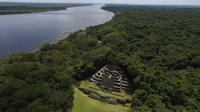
(103, 3)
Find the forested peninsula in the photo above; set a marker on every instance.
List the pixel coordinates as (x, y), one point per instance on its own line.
(20, 8)
(158, 47)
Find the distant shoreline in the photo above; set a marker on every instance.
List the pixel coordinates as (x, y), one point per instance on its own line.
(15, 8)
(9, 12)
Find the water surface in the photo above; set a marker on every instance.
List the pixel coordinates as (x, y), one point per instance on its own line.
(27, 32)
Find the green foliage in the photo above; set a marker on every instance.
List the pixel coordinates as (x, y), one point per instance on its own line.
(157, 46)
(160, 51)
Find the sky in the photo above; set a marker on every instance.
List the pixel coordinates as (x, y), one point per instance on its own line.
(165, 2)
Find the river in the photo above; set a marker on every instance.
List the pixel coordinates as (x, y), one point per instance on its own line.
(27, 32)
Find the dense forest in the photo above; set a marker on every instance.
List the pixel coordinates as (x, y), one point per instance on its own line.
(159, 47)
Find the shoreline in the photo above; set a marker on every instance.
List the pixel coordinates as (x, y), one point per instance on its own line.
(65, 35)
(14, 12)
(68, 33)
(33, 8)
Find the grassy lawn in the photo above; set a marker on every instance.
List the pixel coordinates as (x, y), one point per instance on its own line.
(93, 87)
(82, 103)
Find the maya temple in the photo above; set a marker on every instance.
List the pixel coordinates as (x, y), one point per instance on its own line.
(112, 78)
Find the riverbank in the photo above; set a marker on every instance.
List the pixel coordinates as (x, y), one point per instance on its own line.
(6, 12)
(157, 47)
(46, 27)
(20, 8)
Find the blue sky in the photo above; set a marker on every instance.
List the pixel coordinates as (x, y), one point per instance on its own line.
(172, 2)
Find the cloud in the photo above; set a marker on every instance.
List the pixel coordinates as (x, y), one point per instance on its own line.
(177, 2)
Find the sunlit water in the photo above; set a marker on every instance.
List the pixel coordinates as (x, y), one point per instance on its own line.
(27, 32)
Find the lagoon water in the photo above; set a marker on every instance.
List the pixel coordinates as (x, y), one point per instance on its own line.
(27, 32)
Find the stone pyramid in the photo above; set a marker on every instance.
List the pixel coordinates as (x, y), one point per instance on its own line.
(112, 78)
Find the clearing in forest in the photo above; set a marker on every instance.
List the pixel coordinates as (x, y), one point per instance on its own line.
(83, 103)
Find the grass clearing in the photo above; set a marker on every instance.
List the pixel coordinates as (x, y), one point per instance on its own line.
(93, 87)
(82, 103)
